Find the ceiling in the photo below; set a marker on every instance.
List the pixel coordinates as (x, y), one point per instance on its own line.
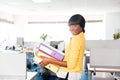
(27, 7)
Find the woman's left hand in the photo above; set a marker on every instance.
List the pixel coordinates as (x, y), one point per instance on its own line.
(45, 61)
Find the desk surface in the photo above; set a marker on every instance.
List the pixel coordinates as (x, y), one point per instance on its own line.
(31, 75)
(102, 69)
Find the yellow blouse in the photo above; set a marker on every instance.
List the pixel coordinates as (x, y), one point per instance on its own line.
(74, 53)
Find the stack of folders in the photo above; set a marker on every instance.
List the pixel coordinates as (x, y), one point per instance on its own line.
(50, 52)
(38, 59)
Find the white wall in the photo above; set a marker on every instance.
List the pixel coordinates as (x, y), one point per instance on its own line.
(60, 18)
(5, 17)
(112, 24)
(20, 23)
(25, 26)
(48, 18)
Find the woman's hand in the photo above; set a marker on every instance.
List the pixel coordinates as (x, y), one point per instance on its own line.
(45, 61)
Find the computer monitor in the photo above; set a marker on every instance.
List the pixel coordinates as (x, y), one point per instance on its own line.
(12, 65)
(54, 44)
(60, 45)
(20, 41)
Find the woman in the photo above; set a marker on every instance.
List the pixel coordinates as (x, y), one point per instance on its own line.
(74, 51)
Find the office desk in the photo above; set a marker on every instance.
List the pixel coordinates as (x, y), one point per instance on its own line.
(102, 69)
(93, 70)
(31, 75)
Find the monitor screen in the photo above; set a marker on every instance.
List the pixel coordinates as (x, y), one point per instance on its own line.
(60, 45)
(20, 41)
(54, 44)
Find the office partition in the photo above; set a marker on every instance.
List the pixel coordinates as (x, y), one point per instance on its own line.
(12, 65)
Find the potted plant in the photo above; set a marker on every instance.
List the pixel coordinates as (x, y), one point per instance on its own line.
(43, 36)
(116, 36)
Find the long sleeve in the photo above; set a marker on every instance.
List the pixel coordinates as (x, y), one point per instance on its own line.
(74, 53)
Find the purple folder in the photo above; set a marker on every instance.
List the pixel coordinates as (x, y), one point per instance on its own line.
(51, 51)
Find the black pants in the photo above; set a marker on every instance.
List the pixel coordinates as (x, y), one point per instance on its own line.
(63, 78)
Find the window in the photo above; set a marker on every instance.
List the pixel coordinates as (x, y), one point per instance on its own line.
(7, 33)
(95, 31)
(55, 31)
